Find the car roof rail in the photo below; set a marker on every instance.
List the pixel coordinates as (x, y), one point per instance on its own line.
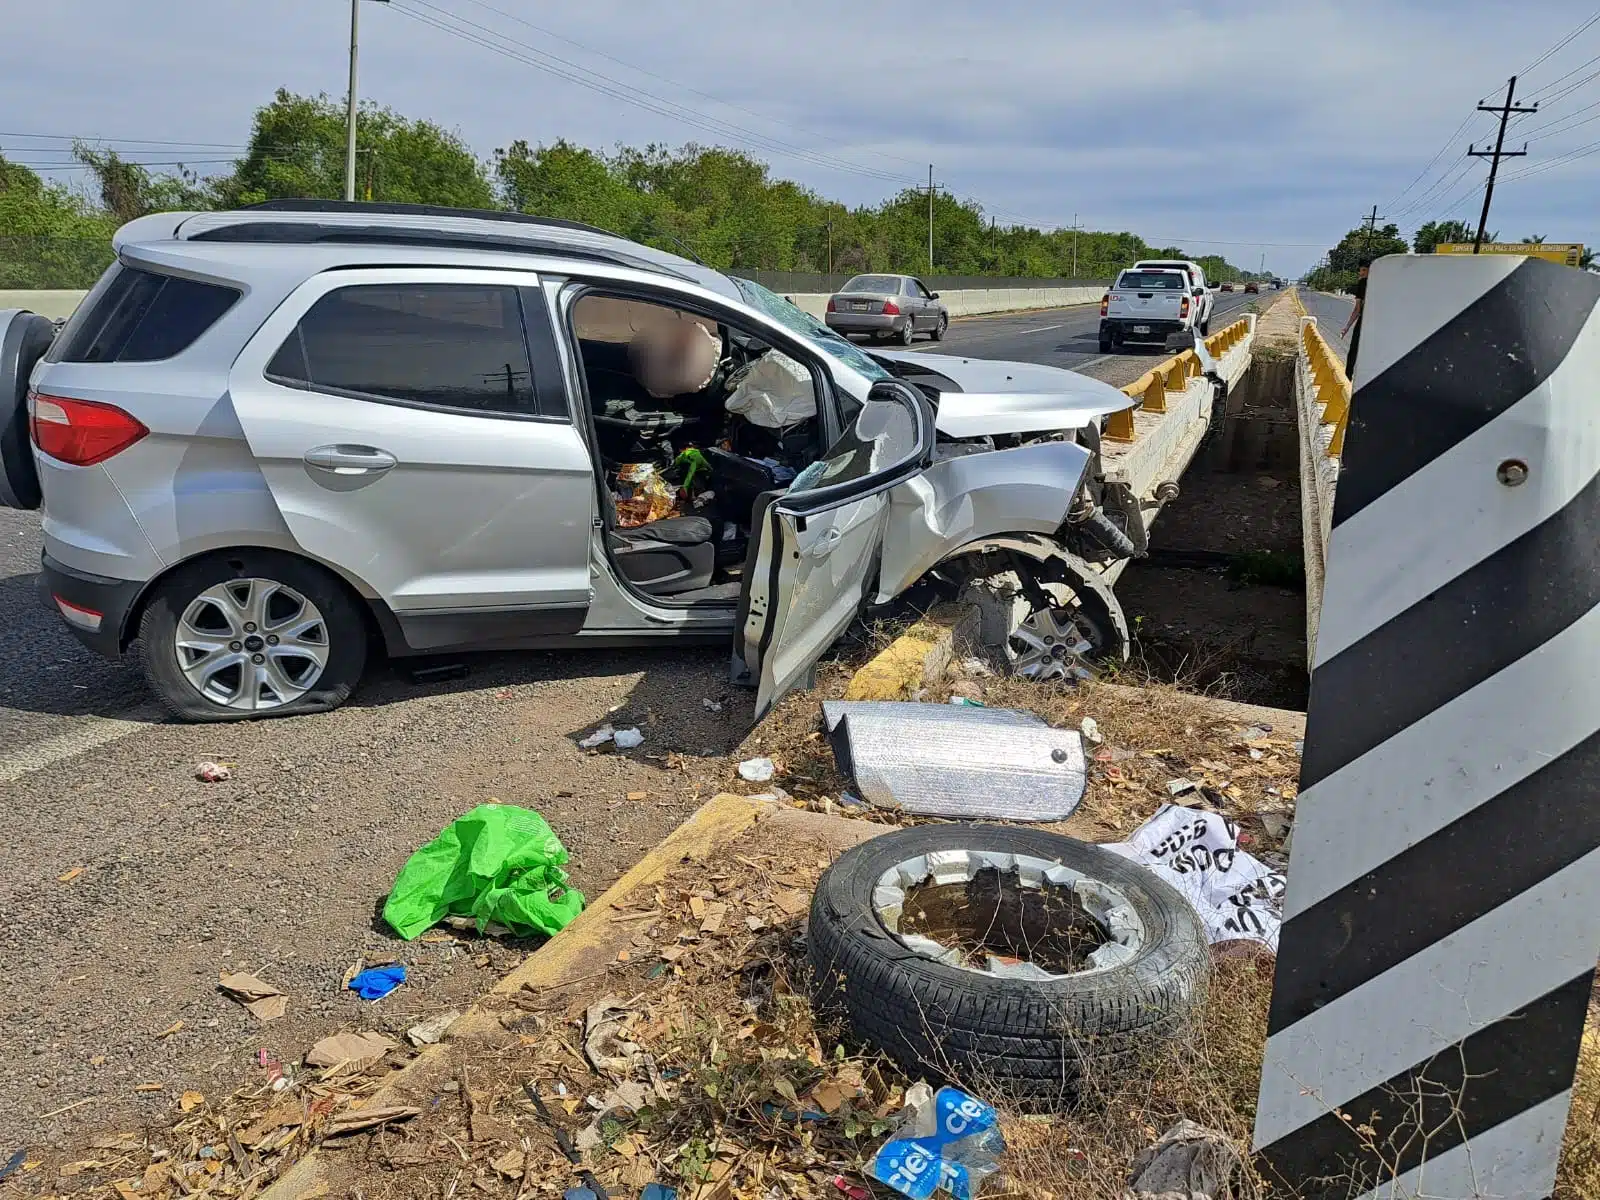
(313, 233)
(382, 208)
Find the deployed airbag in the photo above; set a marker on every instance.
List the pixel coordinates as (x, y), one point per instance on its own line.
(775, 393)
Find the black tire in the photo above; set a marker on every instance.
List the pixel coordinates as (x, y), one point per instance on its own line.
(909, 333)
(346, 632)
(24, 338)
(1105, 343)
(939, 329)
(1205, 327)
(1028, 1042)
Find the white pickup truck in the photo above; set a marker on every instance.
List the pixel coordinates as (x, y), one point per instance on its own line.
(1147, 305)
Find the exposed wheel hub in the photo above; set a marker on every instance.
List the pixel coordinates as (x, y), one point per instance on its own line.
(1052, 643)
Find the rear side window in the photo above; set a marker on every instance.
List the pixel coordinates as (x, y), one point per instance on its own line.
(456, 346)
(1150, 281)
(143, 316)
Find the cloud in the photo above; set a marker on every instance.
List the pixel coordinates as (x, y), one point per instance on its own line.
(1227, 121)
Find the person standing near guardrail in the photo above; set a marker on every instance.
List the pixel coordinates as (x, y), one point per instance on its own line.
(1360, 293)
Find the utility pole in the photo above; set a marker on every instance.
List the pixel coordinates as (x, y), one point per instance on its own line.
(1075, 227)
(350, 112)
(930, 218)
(1494, 156)
(830, 242)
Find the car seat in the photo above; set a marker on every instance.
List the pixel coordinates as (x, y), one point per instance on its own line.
(665, 557)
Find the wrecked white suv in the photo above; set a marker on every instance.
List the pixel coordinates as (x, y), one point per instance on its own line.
(272, 439)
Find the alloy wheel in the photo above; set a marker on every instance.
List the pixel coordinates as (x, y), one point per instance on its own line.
(252, 644)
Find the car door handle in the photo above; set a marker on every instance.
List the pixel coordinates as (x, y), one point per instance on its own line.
(350, 460)
(825, 544)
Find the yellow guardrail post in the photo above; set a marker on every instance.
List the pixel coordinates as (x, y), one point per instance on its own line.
(1333, 386)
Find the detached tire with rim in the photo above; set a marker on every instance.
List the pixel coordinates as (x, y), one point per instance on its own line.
(1024, 1033)
(251, 633)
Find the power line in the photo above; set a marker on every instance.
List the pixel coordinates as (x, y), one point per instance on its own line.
(676, 83)
(605, 85)
(1440, 187)
(1560, 45)
(1451, 141)
(1494, 156)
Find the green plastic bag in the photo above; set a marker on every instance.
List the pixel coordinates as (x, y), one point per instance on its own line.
(497, 863)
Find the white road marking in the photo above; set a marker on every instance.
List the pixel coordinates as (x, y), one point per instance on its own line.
(1093, 362)
(1041, 329)
(92, 733)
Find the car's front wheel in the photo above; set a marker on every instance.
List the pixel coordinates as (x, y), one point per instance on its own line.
(939, 329)
(251, 633)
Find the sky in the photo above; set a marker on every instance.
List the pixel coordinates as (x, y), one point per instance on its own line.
(1233, 128)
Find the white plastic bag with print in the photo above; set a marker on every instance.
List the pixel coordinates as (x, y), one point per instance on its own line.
(1197, 851)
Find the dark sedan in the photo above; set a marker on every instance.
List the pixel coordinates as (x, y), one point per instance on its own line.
(887, 306)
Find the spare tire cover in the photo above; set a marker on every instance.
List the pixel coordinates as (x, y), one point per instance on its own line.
(24, 337)
(1024, 1040)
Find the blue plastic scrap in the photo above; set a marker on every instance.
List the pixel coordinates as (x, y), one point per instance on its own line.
(658, 1191)
(952, 1142)
(378, 982)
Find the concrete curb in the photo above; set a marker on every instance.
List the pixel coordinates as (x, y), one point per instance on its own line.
(579, 951)
(918, 656)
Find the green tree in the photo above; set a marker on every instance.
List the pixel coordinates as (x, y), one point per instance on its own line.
(1436, 232)
(297, 149)
(1358, 248)
(50, 237)
(1535, 239)
(129, 190)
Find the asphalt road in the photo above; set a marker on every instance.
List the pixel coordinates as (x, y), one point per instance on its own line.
(1066, 337)
(1331, 313)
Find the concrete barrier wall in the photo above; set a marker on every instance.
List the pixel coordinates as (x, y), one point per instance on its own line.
(971, 302)
(58, 305)
(1322, 403)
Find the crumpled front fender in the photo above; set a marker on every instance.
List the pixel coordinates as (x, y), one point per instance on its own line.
(968, 498)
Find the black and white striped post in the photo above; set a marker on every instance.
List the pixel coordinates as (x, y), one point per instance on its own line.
(1443, 909)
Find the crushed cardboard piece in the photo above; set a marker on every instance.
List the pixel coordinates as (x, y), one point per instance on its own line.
(263, 1001)
(362, 1120)
(359, 1050)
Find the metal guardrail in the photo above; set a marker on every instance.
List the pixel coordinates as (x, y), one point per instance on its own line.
(1331, 383)
(1173, 375)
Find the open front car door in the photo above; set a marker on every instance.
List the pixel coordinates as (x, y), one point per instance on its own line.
(817, 545)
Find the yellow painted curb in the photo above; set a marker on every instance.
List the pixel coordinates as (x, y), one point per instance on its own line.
(586, 946)
(917, 657)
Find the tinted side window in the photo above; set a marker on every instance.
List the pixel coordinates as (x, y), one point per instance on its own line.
(143, 317)
(447, 345)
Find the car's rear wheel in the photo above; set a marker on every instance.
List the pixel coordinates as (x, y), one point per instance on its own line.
(1105, 343)
(251, 633)
(909, 333)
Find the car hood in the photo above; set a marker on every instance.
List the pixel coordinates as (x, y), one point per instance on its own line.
(985, 396)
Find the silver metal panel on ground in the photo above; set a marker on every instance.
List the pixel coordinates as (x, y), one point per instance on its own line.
(941, 760)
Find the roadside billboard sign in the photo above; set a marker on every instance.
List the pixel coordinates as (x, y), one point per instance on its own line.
(1568, 254)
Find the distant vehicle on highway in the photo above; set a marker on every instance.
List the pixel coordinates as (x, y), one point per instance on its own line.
(1204, 300)
(1147, 307)
(887, 306)
(1227, 287)
(1252, 288)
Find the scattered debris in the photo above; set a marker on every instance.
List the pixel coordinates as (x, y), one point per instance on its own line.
(1275, 823)
(710, 705)
(946, 1138)
(210, 772)
(498, 862)
(1197, 852)
(169, 1031)
(377, 982)
(12, 1163)
(358, 1051)
(432, 1030)
(598, 738)
(69, 876)
(1190, 1162)
(264, 1002)
(967, 702)
(1257, 733)
(1090, 729)
(628, 739)
(359, 1120)
(439, 672)
(1177, 787)
(604, 1045)
(757, 770)
(658, 1191)
(977, 668)
(937, 760)
(190, 1101)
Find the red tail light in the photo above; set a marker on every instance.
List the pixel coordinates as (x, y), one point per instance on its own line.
(891, 309)
(832, 305)
(81, 432)
(1183, 309)
(1105, 304)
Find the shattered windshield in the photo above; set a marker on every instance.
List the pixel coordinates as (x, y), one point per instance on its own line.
(796, 320)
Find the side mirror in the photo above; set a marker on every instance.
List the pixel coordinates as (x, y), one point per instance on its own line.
(1199, 291)
(933, 295)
